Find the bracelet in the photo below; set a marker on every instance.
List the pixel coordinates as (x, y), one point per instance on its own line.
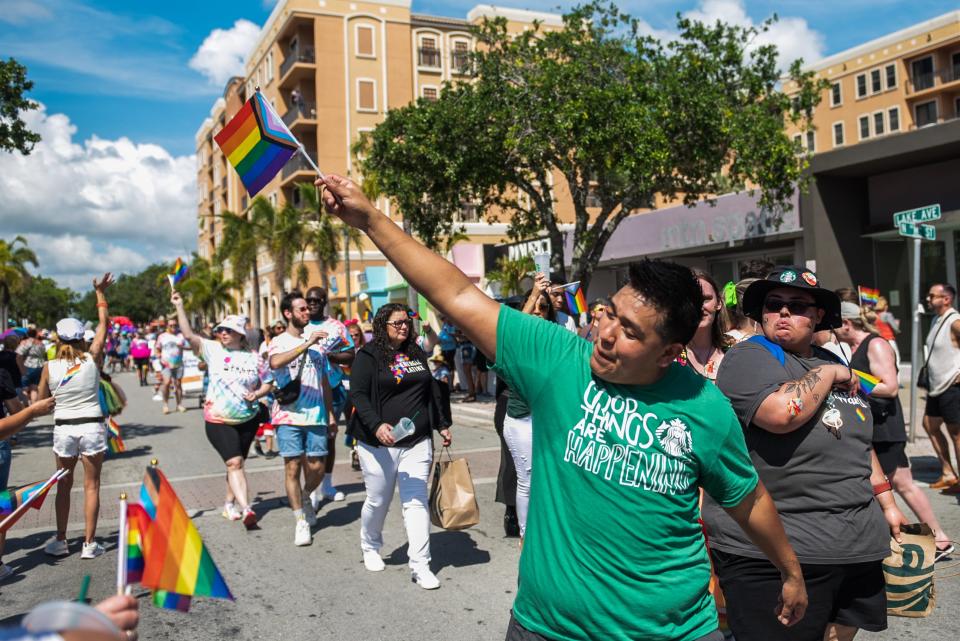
(880, 488)
(102, 304)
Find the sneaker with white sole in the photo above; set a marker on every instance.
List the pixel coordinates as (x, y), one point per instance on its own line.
(157, 397)
(315, 499)
(425, 579)
(249, 518)
(372, 561)
(309, 514)
(5, 571)
(331, 493)
(230, 512)
(91, 550)
(56, 547)
(301, 536)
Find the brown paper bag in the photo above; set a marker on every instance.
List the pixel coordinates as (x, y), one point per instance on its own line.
(453, 503)
(908, 572)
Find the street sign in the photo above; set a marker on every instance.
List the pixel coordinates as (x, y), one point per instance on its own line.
(919, 215)
(925, 232)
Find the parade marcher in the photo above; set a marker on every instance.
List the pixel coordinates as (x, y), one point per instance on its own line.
(942, 349)
(705, 351)
(339, 349)
(302, 425)
(564, 319)
(876, 357)
(742, 326)
(390, 381)
(448, 345)
(32, 355)
(638, 566)
(231, 409)
(169, 347)
(140, 352)
(9, 358)
(73, 380)
(809, 434)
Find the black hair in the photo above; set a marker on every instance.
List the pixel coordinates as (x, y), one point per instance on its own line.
(286, 303)
(756, 268)
(382, 343)
(32, 332)
(950, 289)
(551, 314)
(319, 290)
(673, 292)
(721, 320)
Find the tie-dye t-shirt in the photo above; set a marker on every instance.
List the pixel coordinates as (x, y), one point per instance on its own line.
(171, 349)
(308, 408)
(338, 340)
(233, 373)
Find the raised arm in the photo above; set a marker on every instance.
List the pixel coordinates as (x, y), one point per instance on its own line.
(195, 341)
(540, 284)
(447, 288)
(100, 287)
(795, 403)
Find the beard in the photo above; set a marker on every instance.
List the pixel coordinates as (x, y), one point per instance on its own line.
(299, 324)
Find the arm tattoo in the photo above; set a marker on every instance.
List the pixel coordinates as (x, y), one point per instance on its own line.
(805, 383)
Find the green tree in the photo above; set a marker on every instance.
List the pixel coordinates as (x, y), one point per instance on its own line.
(14, 134)
(14, 277)
(602, 112)
(44, 303)
(207, 292)
(239, 246)
(325, 235)
(281, 232)
(510, 273)
(141, 297)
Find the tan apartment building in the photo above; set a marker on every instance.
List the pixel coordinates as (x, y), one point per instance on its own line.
(332, 69)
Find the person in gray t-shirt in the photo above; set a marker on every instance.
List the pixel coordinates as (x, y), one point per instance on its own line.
(809, 431)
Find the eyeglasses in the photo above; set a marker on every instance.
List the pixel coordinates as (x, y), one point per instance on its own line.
(796, 307)
(935, 295)
(221, 330)
(397, 324)
(316, 301)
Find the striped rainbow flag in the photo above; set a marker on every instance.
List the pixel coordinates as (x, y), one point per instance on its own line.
(867, 381)
(114, 442)
(69, 374)
(869, 296)
(257, 143)
(576, 301)
(179, 271)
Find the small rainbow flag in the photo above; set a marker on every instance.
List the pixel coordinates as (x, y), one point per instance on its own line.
(576, 301)
(138, 523)
(861, 415)
(869, 296)
(176, 560)
(32, 495)
(867, 381)
(171, 600)
(257, 143)
(179, 271)
(114, 442)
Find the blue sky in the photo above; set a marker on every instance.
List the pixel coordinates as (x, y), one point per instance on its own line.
(122, 101)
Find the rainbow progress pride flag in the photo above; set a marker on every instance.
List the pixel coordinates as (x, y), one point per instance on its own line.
(257, 143)
(867, 381)
(869, 296)
(576, 301)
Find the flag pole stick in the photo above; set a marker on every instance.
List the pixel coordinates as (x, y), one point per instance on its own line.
(15, 515)
(122, 546)
(306, 156)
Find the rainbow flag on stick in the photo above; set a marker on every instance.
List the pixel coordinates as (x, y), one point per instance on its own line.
(178, 273)
(258, 144)
(14, 503)
(867, 381)
(114, 442)
(869, 296)
(576, 301)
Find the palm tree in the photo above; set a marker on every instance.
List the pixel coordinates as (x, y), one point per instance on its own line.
(510, 274)
(282, 232)
(327, 236)
(209, 293)
(239, 245)
(14, 277)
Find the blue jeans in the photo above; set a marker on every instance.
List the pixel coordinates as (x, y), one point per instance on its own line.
(295, 440)
(5, 458)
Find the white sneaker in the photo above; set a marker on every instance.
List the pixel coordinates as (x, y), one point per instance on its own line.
(5, 571)
(309, 514)
(333, 494)
(301, 535)
(372, 561)
(91, 550)
(230, 512)
(426, 579)
(56, 547)
(157, 397)
(315, 498)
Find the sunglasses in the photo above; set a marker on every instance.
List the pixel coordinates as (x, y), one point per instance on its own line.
(221, 330)
(795, 307)
(397, 324)
(316, 301)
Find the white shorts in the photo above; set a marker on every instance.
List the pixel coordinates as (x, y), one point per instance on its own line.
(87, 439)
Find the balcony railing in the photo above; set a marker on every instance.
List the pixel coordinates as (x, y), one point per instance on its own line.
(460, 61)
(429, 57)
(307, 55)
(929, 80)
(305, 109)
(295, 164)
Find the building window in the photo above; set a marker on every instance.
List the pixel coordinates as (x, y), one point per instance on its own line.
(921, 73)
(954, 67)
(864, 127)
(891, 73)
(269, 66)
(365, 44)
(429, 55)
(366, 94)
(893, 118)
(875, 86)
(861, 85)
(811, 141)
(798, 141)
(836, 95)
(926, 113)
(430, 93)
(461, 56)
(878, 128)
(838, 134)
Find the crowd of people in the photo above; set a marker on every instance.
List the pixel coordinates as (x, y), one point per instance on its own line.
(679, 430)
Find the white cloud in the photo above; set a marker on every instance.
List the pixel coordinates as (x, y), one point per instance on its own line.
(224, 52)
(19, 12)
(793, 37)
(97, 205)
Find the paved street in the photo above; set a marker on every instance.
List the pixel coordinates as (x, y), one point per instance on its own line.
(322, 591)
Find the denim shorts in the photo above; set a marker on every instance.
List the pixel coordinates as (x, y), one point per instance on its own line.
(31, 377)
(295, 440)
(5, 459)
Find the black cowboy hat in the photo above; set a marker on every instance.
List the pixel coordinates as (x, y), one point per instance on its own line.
(797, 278)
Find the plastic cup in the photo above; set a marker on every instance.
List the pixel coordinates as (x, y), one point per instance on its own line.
(402, 429)
(60, 616)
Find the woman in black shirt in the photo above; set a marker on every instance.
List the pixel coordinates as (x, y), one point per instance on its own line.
(390, 381)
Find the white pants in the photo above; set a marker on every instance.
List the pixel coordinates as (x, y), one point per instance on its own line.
(384, 468)
(518, 433)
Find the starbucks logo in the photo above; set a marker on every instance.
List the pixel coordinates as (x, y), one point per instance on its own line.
(788, 276)
(675, 437)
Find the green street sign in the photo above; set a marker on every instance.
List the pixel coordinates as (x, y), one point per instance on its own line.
(924, 232)
(916, 216)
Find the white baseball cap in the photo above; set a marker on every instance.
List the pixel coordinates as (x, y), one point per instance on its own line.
(235, 323)
(88, 335)
(69, 329)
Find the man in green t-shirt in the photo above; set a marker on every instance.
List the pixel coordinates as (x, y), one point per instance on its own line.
(623, 440)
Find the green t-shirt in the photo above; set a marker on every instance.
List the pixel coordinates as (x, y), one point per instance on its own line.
(613, 549)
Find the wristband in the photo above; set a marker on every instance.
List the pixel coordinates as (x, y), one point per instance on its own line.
(102, 304)
(880, 488)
